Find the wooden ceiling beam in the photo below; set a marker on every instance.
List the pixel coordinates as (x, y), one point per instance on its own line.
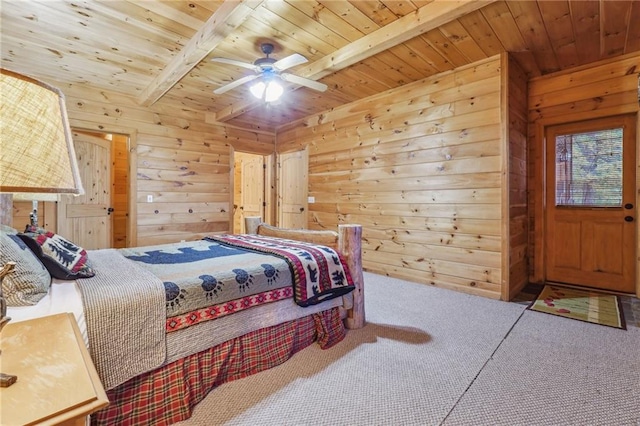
(426, 18)
(230, 15)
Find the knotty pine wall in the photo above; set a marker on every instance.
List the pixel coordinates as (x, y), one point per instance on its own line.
(422, 168)
(47, 214)
(179, 159)
(601, 89)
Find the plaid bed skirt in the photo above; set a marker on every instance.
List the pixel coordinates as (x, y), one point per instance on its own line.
(169, 393)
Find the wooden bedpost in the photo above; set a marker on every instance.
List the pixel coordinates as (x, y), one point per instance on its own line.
(251, 224)
(350, 245)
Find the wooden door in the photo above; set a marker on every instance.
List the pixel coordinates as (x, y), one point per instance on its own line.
(86, 219)
(249, 188)
(292, 189)
(590, 203)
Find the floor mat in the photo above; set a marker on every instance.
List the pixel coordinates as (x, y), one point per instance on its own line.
(582, 305)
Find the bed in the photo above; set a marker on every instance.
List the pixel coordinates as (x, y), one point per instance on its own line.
(158, 355)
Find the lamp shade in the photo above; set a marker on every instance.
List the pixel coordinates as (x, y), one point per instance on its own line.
(36, 148)
(35, 196)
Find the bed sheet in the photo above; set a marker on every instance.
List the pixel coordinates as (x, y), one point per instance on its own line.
(63, 296)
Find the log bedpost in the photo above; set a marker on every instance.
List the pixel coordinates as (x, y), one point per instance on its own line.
(251, 224)
(350, 245)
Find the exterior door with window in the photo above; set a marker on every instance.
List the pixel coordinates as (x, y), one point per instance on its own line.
(590, 203)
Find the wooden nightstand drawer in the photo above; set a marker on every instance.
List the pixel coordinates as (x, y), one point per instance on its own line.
(57, 382)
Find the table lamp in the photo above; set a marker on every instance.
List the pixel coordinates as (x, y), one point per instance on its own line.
(36, 152)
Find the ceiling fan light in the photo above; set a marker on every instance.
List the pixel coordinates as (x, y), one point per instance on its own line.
(274, 91)
(257, 89)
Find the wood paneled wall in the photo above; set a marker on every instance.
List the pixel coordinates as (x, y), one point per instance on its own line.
(602, 89)
(47, 214)
(180, 160)
(421, 168)
(21, 212)
(515, 103)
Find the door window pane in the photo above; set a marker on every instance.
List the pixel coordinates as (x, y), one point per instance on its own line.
(589, 169)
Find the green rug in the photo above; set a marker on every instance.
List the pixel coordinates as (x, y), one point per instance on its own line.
(582, 305)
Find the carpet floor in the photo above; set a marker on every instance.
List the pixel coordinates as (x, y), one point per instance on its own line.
(430, 356)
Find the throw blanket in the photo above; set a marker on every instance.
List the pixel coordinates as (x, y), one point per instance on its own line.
(131, 339)
(319, 272)
(198, 275)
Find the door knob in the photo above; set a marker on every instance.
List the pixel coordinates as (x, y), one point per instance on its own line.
(628, 218)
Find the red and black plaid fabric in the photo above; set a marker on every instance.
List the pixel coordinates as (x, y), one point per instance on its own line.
(169, 393)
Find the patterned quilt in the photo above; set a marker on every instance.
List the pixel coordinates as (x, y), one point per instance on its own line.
(205, 279)
(319, 272)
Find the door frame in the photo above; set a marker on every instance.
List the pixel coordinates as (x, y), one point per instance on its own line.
(132, 133)
(269, 186)
(539, 186)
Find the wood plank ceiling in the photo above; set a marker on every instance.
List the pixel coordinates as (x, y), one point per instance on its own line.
(160, 51)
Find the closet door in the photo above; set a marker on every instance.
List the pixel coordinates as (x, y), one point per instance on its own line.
(249, 188)
(292, 179)
(86, 219)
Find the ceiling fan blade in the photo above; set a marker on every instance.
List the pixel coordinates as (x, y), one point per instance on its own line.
(312, 84)
(236, 63)
(289, 61)
(234, 84)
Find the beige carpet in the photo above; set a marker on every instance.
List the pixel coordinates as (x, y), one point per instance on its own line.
(430, 356)
(551, 371)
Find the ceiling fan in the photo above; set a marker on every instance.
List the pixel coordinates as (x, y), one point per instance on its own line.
(269, 70)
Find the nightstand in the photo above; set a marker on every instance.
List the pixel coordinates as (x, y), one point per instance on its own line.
(57, 381)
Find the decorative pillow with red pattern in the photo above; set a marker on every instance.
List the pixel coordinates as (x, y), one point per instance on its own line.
(63, 259)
